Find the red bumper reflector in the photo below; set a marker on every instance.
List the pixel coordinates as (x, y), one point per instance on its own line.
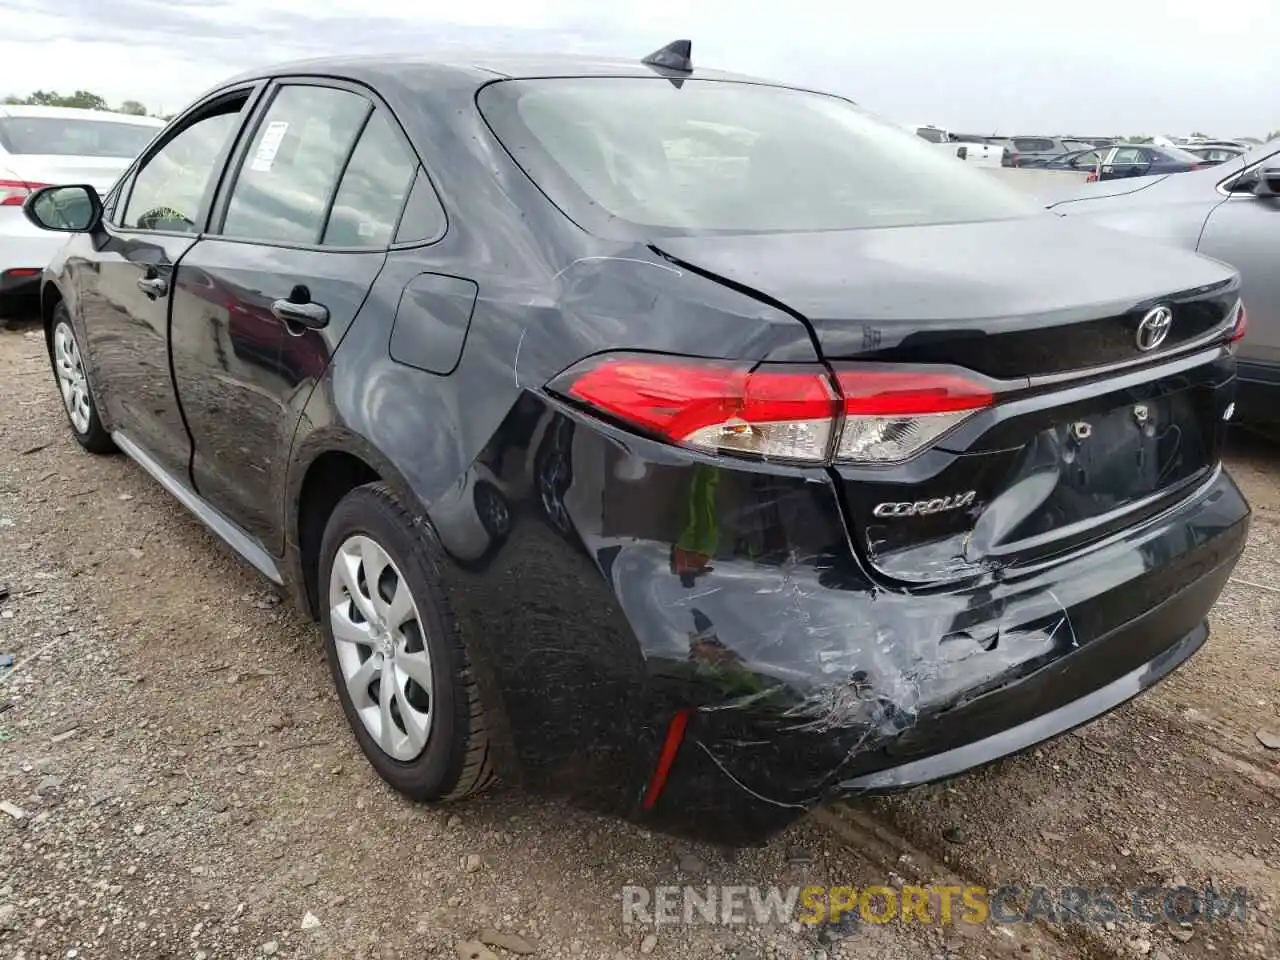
(670, 747)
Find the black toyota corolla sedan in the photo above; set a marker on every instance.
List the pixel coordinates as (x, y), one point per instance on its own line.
(692, 446)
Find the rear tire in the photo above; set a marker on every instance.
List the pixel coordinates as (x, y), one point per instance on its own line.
(429, 744)
(71, 376)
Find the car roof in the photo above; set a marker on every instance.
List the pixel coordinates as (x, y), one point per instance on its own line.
(75, 113)
(480, 67)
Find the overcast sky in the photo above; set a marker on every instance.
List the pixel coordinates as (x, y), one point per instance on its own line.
(1008, 66)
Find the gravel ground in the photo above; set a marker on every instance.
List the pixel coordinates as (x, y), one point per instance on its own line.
(178, 780)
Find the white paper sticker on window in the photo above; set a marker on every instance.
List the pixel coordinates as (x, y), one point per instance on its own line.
(366, 228)
(270, 145)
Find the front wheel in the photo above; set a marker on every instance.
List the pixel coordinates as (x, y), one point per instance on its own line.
(73, 384)
(403, 671)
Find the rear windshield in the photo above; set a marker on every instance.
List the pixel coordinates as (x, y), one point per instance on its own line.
(1177, 153)
(74, 138)
(638, 156)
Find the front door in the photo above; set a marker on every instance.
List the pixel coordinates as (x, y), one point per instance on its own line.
(125, 307)
(296, 243)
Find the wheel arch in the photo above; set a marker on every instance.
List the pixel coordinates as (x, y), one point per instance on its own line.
(327, 466)
(50, 296)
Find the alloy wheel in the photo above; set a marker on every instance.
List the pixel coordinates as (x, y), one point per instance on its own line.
(380, 645)
(72, 381)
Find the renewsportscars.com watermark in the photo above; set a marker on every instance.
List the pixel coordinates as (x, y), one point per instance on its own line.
(936, 904)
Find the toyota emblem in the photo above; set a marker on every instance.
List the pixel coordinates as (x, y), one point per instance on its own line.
(1154, 328)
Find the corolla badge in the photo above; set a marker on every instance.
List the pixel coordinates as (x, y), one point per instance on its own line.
(1154, 328)
(922, 508)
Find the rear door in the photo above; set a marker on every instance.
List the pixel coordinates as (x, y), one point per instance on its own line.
(298, 236)
(124, 305)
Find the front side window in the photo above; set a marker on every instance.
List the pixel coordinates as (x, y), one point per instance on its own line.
(373, 188)
(635, 156)
(170, 187)
(54, 136)
(292, 166)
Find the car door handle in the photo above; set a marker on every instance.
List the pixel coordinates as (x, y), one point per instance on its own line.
(312, 315)
(153, 286)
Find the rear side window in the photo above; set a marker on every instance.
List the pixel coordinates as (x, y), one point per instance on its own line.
(1033, 145)
(170, 186)
(373, 188)
(281, 194)
(423, 218)
(1129, 155)
(634, 156)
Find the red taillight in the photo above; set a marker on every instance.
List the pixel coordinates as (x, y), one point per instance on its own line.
(21, 273)
(777, 411)
(1241, 326)
(1197, 166)
(883, 393)
(1091, 178)
(14, 192)
(712, 406)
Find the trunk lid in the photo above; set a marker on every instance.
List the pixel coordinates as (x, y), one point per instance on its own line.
(867, 291)
(1088, 433)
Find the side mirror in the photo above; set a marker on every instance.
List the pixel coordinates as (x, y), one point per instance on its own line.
(68, 209)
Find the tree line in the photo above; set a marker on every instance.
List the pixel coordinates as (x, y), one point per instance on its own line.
(84, 100)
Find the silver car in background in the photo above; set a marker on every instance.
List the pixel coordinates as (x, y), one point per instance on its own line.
(43, 146)
(1231, 212)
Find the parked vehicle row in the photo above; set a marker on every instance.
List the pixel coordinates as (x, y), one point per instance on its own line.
(813, 463)
(1127, 160)
(1036, 151)
(1229, 211)
(40, 146)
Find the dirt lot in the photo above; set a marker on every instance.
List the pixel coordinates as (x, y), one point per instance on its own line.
(188, 788)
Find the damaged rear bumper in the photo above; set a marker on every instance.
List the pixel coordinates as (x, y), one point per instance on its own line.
(697, 644)
(1092, 705)
(930, 686)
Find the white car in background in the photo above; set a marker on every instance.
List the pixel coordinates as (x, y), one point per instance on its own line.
(969, 149)
(55, 145)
